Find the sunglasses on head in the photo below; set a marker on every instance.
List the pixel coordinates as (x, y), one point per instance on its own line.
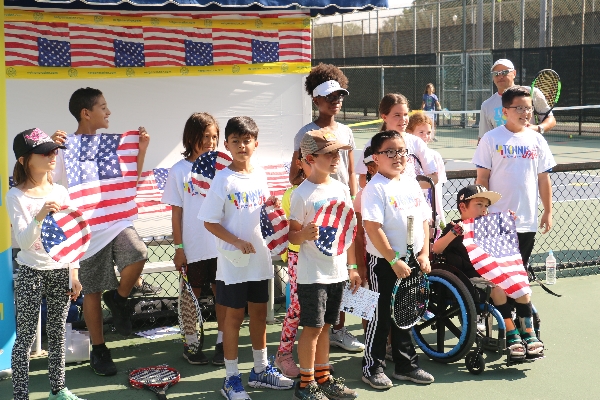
(504, 72)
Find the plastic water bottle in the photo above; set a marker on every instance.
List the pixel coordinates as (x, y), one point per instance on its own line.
(550, 269)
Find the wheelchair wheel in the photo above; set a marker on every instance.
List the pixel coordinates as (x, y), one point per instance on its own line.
(448, 330)
(475, 363)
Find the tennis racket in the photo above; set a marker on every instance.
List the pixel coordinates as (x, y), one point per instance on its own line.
(548, 82)
(190, 314)
(410, 296)
(157, 379)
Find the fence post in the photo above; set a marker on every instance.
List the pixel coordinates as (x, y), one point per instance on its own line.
(583, 22)
(414, 29)
(377, 30)
(543, 34)
(395, 36)
(479, 24)
(550, 23)
(493, 24)
(522, 44)
(343, 39)
(382, 82)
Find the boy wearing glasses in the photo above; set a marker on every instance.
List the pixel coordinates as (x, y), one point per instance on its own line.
(504, 74)
(514, 160)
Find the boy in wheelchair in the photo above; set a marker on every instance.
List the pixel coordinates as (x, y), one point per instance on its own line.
(472, 202)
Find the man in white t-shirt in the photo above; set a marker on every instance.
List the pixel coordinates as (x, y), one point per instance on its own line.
(504, 74)
(514, 161)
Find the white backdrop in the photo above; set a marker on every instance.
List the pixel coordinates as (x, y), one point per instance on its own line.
(277, 103)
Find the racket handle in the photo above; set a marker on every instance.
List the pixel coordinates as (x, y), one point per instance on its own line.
(161, 395)
(409, 225)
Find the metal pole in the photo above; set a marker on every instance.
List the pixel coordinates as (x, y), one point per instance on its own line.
(583, 22)
(439, 48)
(331, 41)
(550, 23)
(378, 44)
(312, 38)
(382, 82)
(431, 33)
(343, 39)
(543, 33)
(464, 55)
(493, 24)
(395, 36)
(522, 45)
(480, 24)
(414, 29)
(362, 45)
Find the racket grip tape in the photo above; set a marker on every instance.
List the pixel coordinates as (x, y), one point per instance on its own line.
(161, 395)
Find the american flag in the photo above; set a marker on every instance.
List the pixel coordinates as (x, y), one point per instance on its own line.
(493, 248)
(76, 45)
(278, 178)
(274, 228)
(65, 235)
(337, 227)
(150, 189)
(205, 168)
(102, 176)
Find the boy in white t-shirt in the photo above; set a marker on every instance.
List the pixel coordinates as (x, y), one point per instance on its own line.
(514, 161)
(320, 278)
(231, 212)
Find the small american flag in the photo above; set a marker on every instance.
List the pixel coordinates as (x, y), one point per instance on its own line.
(205, 168)
(274, 228)
(278, 178)
(102, 176)
(65, 235)
(150, 189)
(493, 248)
(337, 227)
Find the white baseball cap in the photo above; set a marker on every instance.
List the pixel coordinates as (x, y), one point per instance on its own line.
(328, 87)
(503, 61)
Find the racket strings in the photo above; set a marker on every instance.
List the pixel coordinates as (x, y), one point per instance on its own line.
(411, 301)
(548, 84)
(154, 376)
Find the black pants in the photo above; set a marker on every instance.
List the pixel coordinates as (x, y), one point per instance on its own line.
(382, 279)
(526, 242)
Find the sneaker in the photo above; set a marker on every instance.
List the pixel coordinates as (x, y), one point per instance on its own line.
(102, 363)
(64, 394)
(417, 376)
(145, 289)
(120, 313)
(345, 340)
(388, 352)
(378, 381)
(269, 378)
(312, 391)
(334, 389)
(194, 355)
(233, 389)
(286, 364)
(219, 356)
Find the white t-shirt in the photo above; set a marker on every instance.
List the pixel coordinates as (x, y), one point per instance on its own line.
(417, 147)
(100, 238)
(344, 135)
(26, 232)
(234, 200)
(198, 243)
(314, 266)
(389, 202)
(492, 116)
(515, 160)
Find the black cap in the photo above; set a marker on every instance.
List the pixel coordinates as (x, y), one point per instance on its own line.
(472, 191)
(33, 141)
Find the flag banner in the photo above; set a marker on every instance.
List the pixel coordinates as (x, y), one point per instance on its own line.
(150, 189)
(274, 227)
(278, 178)
(205, 168)
(337, 227)
(102, 176)
(493, 248)
(65, 235)
(82, 46)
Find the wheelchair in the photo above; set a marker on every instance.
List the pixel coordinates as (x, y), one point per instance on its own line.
(449, 329)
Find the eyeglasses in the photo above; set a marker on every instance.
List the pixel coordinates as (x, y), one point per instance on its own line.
(334, 98)
(504, 72)
(51, 153)
(393, 153)
(522, 110)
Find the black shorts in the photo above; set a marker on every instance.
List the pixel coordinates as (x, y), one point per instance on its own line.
(202, 272)
(320, 303)
(237, 295)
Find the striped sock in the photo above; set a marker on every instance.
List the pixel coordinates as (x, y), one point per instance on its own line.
(306, 377)
(322, 373)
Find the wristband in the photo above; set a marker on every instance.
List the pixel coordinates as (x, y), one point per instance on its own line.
(179, 246)
(353, 197)
(457, 230)
(38, 223)
(351, 266)
(395, 259)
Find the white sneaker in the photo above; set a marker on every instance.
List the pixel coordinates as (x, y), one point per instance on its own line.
(345, 340)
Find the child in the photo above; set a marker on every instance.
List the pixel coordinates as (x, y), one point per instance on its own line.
(284, 359)
(231, 212)
(421, 126)
(393, 109)
(195, 247)
(114, 243)
(514, 161)
(430, 100)
(327, 84)
(472, 202)
(28, 203)
(388, 199)
(321, 278)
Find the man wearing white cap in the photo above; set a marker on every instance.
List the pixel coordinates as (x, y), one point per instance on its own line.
(503, 74)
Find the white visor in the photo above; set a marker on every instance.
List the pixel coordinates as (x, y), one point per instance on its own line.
(328, 87)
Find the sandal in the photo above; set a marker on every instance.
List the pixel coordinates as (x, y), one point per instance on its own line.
(533, 345)
(514, 344)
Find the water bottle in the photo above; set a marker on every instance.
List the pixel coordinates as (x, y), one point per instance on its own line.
(550, 269)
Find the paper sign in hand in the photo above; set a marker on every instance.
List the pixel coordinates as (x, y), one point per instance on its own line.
(236, 257)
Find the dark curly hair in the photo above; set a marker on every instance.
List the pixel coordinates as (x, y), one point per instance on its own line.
(323, 73)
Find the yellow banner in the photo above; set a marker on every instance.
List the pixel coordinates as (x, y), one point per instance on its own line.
(154, 72)
(119, 20)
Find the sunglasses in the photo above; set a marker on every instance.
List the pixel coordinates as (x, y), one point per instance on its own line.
(504, 72)
(393, 153)
(334, 98)
(51, 153)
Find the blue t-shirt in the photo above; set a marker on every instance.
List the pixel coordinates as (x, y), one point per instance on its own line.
(429, 100)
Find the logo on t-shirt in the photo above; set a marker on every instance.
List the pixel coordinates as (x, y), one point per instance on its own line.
(320, 203)
(403, 202)
(510, 151)
(252, 199)
(188, 187)
(499, 117)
